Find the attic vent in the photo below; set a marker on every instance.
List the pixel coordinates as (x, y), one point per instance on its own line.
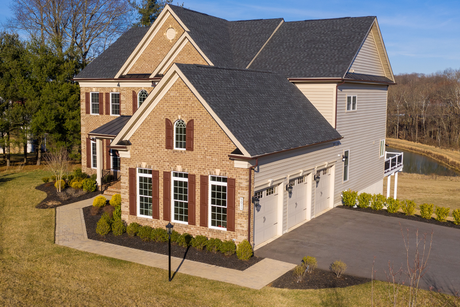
(170, 33)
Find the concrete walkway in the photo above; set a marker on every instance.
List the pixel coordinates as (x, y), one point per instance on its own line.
(71, 232)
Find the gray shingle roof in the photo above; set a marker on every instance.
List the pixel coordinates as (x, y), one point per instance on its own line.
(107, 64)
(314, 48)
(264, 111)
(363, 77)
(113, 127)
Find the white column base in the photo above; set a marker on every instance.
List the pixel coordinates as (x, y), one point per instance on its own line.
(388, 186)
(396, 185)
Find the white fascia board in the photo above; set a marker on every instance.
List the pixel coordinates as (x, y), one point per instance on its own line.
(380, 40)
(114, 83)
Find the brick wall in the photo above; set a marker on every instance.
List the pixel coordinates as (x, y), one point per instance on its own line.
(188, 55)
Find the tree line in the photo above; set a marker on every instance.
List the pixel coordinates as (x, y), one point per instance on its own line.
(426, 108)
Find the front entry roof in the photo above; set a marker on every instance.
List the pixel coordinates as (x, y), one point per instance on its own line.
(112, 128)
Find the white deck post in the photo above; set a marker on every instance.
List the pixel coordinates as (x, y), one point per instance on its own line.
(396, 185)
(388, 186)
(99, 157)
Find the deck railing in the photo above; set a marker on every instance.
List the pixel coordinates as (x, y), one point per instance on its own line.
(109, 175)
(393, 162)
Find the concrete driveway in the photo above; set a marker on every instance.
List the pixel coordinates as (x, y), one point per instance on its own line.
(357, 237)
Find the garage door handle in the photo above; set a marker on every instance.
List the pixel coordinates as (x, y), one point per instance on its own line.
(264, 219)
(275, 223)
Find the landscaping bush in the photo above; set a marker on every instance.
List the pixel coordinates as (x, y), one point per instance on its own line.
(456, 215)
(408, 207)
(53, 178)
(144, 233)
(109, 210)
(103, 227)
(392, 205)
(244, 250)
(426, 211)
(45, 179)
(310, 263)
(364, 200)
(349, 198)
(115, 200)
(175, 236)
(93, 177)
(99, 201)
(338, 267)
(107, 217)
(184, 240)
(159, 235)
(132, 229)
(441, 213)
(377, 201)
(117, 213)
(213, 245)
(76, 183)
(89, 185)
(78, 174)
(228, 248)
(118, 227)
(69, 177)
(299, 272)
(199, 242)
(108, 178)
(62, 182)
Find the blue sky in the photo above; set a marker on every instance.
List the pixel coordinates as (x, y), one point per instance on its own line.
(420, 36)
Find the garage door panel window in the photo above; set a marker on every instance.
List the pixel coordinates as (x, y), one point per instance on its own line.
(218, 202)
(144, 184)
(180, 197)
(270, 191)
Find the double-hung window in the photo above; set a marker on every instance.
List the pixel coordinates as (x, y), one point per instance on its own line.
(144, 186)
(351, 103)
(180, 197)
(94, 103)
(114, 103)
(141, 97)
(382, 148)
(180, 135)
(93, 154)
(346, 162)
(218, 202)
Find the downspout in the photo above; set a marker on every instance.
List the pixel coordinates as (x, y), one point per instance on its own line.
(337, 94)
(250, 199)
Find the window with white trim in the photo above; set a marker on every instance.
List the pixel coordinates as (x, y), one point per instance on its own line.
(218, 202)
(144, 195)
(351, 103)
(93, 154)
(94, 103)
(346, 162)
(114, 103)
(382, 148)
(115, 159)
(180, 197)
(180, 135)
(141, 97)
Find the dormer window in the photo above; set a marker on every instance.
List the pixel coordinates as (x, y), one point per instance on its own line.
(180, 135)
(142, 96)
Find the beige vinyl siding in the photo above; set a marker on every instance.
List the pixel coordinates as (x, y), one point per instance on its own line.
(322, 96)
(362, 131)
(368, 61)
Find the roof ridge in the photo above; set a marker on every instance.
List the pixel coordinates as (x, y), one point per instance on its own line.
(204, 14)
(259, 19)
(228, 68)
(330, 19)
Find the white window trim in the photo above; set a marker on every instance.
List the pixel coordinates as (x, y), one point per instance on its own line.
(119, 103)
(348, 167)
(138, 195)
(174, 127)
(93, 154)
(346, 103)
(138, 97)
(382, 148)
(91, 103)
(209, 200)
(172, 196)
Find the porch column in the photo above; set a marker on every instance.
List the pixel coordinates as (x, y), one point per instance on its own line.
(388, 186)
(396, 185)
(100, 161)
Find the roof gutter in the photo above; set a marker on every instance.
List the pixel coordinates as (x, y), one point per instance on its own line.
(116, 79)
(340, 80)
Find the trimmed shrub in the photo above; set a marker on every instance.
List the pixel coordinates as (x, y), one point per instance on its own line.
(115, 200)
(199, 242)
(377, 201)
(45, 179)
(103, 227)
(175, 236)
(99, 201)
(184, 240)
(62, 182)
(364, 200)
(107, 217)
(93, 177)
(78, 174)
(53, 178)
(426, 211)
(89, 185)
(310, 263)
(213, 245)
(299, 272)
(338, 267)
(117, 213)
(132, 229)
(408, 207)
(118, 227)
(159, 235)
(441, 213)
(392, 205)
(109, 210)
(244, 250)
(144, 232)
(228, 248)
(76, 184)
(349, 198)
(456, 215)
(69, 177)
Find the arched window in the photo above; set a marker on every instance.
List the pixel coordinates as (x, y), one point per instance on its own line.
(179, 134)
(141, 97)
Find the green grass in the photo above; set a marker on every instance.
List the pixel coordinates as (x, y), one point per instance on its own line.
(35, 271)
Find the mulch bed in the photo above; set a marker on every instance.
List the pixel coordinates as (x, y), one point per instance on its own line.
(403, 216)
(319, 279)
(67, 196)
(191, 253)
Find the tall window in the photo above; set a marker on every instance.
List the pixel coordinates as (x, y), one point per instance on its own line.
(93, 154)
(180, 197)
(94, 103)
(114, 103)
(218, 201)
(144, 184)
(142, 96)
(351, 103)
(382, 148)
(115, 159)
(346, 161)
(179, 134)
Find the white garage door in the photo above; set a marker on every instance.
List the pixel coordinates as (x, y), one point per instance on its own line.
(323, 195)
(297, 202)
(266, 216)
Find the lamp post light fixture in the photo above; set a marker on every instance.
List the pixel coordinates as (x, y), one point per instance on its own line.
(317, 178)
(169, 229)
(289, 188)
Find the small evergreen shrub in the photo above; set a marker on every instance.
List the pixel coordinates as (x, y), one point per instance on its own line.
(349, 198)
(115, 200)
(159, 235)
(78, 174)
(117, 213)
(103, 227)
(228, 248)
(338, 267)
(69, 177)
(244, 250)
(392, 205)
(310, 263)
(199, 242)
(109, 210)
(45, 179)
(144, 233)
(175, 236)
(89, 185)
(441, 213)
(184, 240)
(107, 217)
(93, 177)
(213, 245)
(118, 227)
(364, 200)
(456, 215)
(426, 211)
(377, 201)
(62, 182)
(76, 184)
(99, 201)
(408, 207)
(53, 178)
(132, 229)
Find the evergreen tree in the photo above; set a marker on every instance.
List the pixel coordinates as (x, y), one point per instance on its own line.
(148, 11)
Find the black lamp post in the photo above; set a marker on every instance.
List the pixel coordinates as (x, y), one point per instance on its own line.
(169, 228)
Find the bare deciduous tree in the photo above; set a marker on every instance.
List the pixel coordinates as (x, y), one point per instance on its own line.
(58, 163)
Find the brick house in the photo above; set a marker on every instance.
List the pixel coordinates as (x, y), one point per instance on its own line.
(237, 130)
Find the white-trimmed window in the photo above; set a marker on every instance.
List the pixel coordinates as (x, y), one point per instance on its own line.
(271, 191)
(179, 134)
(94, 103)
(180, 197)
(114, 103)
(144, 189)
(141, 97)
(346, 165)
(93, 154)
(352, 102)
(115, 159)
(218, 202)
(382, 148)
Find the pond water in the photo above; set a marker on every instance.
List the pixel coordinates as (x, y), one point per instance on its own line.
(415, 163)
